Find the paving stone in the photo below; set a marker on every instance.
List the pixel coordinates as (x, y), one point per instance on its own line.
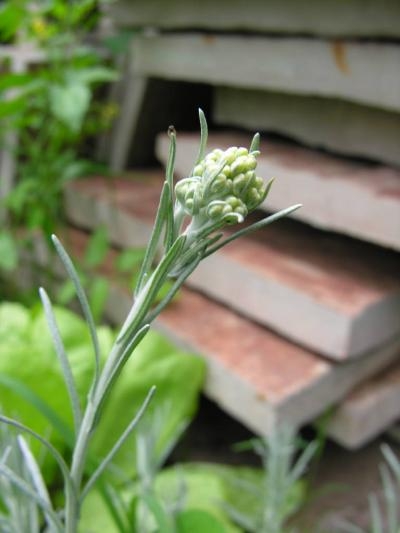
(368, 410)
(365, 72)
(277, 275)
(287, 16)
(255, 375)
(338, 195)
(336, 125)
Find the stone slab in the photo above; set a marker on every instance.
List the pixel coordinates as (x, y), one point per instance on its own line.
(365, 72)
(255, 375)
(353, 198)
(368, 410)
(335, 125)
(280, 16)
(347, 294)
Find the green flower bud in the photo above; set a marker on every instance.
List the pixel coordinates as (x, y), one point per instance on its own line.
(198, 170)
(230, 154)
(243, 163)
(241, 151)
(239, 183)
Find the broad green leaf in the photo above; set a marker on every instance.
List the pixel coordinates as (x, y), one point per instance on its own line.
(97, 248)
(95, 75)
(98, 293)
(8, 252)
(129, 260)
(69, 103)
(198, 521)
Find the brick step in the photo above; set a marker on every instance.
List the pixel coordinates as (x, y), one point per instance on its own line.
(356, 199)
(288, 16)
(318, 122)
(255, 375)
(337, 297)
(364, 72)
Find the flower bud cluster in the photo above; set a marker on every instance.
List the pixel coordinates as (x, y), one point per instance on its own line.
(224, 185)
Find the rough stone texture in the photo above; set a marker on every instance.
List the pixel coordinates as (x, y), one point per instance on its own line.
(254, 374)
(368, 410)
(335, 125)
(287, 16)
(276, 276)
(352, 198)
(363, 72)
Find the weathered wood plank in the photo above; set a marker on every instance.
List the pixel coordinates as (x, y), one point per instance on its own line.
(332, 295)
(359, 71)
(368, 410)
(338, 195)
(353, 17)
(339, 126)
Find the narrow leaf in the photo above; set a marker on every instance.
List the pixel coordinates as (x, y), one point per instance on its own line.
(61, 463)
(145, 300)
(185, 273)
(255, 143)
(169, 228)
(254, 227)
(203, 137)
(104, 389)
(69, 266)
(111, 454)
(37, 479)
(155, 237)
(63, 359)
(376, 517)
(31, 494)
(18, 387)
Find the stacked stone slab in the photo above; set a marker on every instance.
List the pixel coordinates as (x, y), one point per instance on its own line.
(325, 79)
(320, 300)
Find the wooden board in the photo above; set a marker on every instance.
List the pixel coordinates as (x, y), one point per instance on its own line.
(364, 72)
(281, 16)
(332, 295)
(335, 125)
(356, 199)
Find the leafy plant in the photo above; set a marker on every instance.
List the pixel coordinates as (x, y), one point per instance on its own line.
(50, 108)
(222, 189)
(384, 514)
(280, 493)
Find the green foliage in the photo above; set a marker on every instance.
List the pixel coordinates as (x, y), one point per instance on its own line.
(27, 356)
(384, 511)
(51, 108)
(103, 423)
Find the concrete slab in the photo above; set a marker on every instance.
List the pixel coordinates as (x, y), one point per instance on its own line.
(364, 72)
(332, 295)
(255, 375)
(336, 125)
(356, 199)
(368, 410)
(288, 16)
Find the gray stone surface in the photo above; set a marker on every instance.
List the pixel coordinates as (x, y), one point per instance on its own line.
(368, 410)
(365, 72)
(337, 297)
(256, 376)
(356, 199)
(330, 17)
(335, 125)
